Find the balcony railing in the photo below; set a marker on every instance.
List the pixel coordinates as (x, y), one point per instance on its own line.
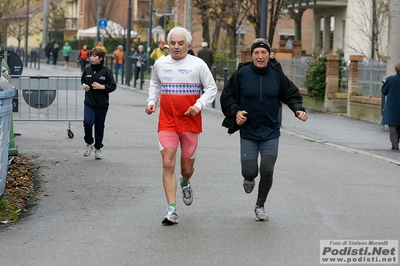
(71, 24)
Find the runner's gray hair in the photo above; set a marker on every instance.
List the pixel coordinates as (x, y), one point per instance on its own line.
(180, 31)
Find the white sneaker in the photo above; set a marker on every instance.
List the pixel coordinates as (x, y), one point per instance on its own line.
(187, 193)
(259, 211)
(89, 149)
(97, 154)
(171, 217)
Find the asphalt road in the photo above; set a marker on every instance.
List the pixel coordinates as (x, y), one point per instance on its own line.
(109, 212)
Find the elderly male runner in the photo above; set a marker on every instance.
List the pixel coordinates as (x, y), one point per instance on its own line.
(176, 85)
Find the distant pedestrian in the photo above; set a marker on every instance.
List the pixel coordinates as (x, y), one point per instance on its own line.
(100, 45)
(206, 54)
(118, 60)
(391, 111)
(67, 49)
(175, 86)
(83, 57)
(139, 60)
(250, 102)
(273, 61)
(47, 52)
(190, 51)
(98, 82)
(54, 54)
(272, 57)
(289, 44)
(158, 51)
(165, 51)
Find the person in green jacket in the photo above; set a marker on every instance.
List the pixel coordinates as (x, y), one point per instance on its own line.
(66, 52)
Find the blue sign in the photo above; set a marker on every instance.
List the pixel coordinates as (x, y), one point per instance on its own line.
(102, 23)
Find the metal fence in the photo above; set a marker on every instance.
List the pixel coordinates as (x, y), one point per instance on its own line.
(370, 77)
(48, 98)
(295, 69)
(220, 65)
(343, 78)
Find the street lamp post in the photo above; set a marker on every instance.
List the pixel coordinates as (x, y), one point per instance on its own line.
(26, 33)
(149, 36)
(128, 67)
(263, 19)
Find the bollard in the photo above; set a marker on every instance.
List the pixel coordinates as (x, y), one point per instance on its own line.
(128, 71)
(39, 60)
(141, 77)
(215, 79)
(215, 72)
(12, 149)
(134, 75)
(123, 72)
(225, 75)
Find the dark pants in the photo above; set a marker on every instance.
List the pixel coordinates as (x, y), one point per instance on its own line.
(394, 134)
(97, 117)
(137, 72)
(250, 149)
(83, 64)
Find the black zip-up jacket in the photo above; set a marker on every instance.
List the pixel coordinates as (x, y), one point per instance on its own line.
(230, 98)
(103, 75)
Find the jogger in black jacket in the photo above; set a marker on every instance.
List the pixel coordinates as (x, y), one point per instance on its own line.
(97, 81)
(250, 102)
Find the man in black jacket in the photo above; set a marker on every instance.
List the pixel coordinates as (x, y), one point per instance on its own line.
(98, 82)
(206, 54)
(250, 101)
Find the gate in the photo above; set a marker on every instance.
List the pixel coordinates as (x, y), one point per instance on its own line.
(48, 98)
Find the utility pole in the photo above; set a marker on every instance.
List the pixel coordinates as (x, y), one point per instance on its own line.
(26, 33)
(263, 19)
(128, 65)
(98, 17)
(45, 36)
(149, 36)
(394, 37)
(188, 15)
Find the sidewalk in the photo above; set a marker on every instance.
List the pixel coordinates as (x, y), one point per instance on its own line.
(339, 131)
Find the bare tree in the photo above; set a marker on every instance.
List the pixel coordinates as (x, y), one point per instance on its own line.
(9, 7)
(17, 30)
(254, 16)
(204, 7)
(234, 13)
(274, 11)
(216, 15)
(56, 21)
(370, 21)
(297, 16)
(15, 24)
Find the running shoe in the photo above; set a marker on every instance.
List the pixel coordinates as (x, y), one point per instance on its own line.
(248, 185)
(171, 217)
(97, 154)
(187, 194)
(259, 211)
(89, 149)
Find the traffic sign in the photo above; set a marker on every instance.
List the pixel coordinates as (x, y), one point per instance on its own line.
(102, 23)
(14, 62)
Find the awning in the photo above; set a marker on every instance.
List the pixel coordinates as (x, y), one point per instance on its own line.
(113, 29)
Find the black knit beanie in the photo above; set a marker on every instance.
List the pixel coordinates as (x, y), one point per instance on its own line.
(260, 44)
